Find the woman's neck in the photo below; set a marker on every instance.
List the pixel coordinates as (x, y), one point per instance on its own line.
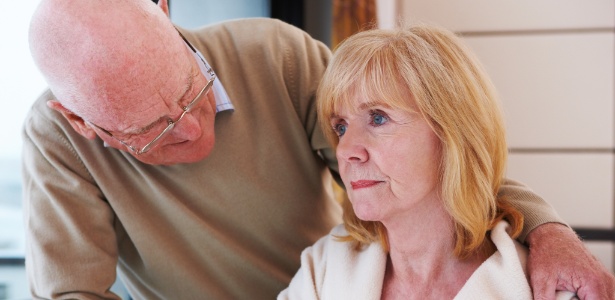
(421, 263)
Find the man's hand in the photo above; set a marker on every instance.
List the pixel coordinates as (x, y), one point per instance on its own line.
(558, 260)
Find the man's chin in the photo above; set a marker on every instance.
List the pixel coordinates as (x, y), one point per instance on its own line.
(170, 156)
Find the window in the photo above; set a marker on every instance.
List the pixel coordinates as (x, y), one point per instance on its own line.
(21, 84)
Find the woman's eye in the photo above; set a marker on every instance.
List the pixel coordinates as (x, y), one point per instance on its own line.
(378, 118)
(339, 129)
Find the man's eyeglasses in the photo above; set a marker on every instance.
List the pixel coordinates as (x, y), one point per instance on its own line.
(208, 72)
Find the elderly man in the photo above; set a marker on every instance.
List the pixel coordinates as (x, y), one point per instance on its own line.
(199, 176)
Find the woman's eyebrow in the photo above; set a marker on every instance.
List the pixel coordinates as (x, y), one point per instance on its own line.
(371, 104)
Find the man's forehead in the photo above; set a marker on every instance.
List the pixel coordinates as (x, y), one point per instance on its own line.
(138, 110)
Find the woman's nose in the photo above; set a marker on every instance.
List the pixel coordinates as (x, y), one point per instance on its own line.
(351, 147)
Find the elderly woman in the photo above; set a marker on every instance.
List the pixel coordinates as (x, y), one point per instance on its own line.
(422, 153)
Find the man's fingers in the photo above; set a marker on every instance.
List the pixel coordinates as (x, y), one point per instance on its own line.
(596, 290)
(543, 286)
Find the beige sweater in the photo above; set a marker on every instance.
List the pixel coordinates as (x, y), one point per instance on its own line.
(229, 227)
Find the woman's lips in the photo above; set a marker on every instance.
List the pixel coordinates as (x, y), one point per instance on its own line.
(360, 184)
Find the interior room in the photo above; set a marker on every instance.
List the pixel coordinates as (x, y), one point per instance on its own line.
(552, 62)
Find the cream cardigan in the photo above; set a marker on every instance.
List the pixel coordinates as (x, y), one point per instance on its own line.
(336, 270)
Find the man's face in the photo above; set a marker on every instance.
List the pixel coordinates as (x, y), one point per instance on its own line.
(142, 128)
(189, 140)
(126, 70)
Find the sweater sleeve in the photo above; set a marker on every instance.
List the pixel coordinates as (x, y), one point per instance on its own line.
(536, 211)
(71, 249)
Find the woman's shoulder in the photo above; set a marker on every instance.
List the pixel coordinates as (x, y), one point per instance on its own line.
(331, 242)
(332, 249)
(504, 274)
(338, 269)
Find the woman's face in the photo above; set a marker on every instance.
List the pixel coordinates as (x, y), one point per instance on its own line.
(389, 160)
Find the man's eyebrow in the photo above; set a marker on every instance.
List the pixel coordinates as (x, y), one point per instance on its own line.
(187, 87)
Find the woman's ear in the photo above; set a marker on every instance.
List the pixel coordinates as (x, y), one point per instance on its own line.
(164, 5)
(75, 121)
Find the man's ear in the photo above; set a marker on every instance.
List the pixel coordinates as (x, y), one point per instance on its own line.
(164, 5)
(75, 121)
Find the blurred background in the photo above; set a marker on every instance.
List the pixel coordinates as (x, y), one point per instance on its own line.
(553, 62)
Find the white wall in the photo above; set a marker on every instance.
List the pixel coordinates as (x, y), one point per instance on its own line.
(553, 64)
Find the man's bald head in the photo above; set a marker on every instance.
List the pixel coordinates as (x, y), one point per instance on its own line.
(108, 52)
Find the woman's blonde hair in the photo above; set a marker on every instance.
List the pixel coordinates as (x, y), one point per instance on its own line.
(430, 67)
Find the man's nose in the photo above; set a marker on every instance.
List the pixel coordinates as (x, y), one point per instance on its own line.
(188, 128)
